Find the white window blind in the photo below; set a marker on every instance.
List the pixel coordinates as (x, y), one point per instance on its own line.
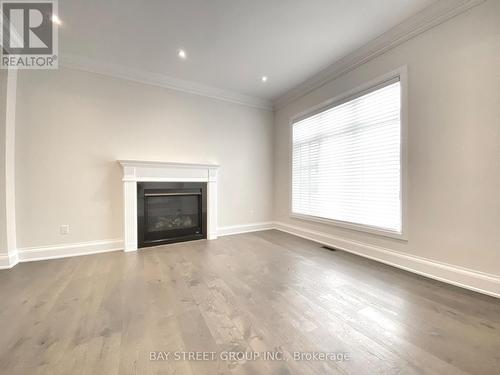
(346, 161)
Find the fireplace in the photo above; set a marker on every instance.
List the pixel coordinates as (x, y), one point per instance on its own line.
(158, 175)
(170, 212)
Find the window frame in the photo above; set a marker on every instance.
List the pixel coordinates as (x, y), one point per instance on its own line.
(357, 92)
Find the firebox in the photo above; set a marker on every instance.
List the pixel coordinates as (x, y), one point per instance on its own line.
(170, 212)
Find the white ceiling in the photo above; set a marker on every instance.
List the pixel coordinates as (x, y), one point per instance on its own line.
(230, 44)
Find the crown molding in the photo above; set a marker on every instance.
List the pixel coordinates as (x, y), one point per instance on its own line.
(428, 18)
(155, 79)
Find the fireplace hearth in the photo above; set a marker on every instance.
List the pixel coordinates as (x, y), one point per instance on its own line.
(169, 212)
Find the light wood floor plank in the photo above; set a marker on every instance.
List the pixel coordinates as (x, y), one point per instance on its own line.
(260, 292)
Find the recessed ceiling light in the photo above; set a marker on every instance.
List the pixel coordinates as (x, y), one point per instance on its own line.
(264, 79)
(55, 19)
(182, 54)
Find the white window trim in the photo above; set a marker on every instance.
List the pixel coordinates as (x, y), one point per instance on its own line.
(402, 73)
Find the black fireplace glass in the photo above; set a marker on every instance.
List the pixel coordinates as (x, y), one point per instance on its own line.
(170, 212)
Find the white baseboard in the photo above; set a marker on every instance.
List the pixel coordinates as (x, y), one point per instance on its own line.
(244, 228)
(29, 254)
(463, 277)
(466, 278)
(8, 261)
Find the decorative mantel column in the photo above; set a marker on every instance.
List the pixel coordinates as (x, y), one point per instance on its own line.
(152, 171)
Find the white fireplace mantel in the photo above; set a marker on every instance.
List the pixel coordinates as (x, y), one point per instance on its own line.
(138, 171)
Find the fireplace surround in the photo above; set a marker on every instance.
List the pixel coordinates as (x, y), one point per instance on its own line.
(137, 172)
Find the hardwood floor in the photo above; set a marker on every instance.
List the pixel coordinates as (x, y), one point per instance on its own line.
(260, 292)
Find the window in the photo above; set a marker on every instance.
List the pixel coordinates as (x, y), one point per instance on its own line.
(347, 161)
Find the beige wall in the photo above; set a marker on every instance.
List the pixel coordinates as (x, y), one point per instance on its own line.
(454, 141)
(72, 126)
(3, 102)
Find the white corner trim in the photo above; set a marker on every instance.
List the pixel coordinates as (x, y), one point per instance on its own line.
(29, 254)
(463, 277)
(160, 80)
(8, 260)
(244, 228)
(428, 18)
(10, 155)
